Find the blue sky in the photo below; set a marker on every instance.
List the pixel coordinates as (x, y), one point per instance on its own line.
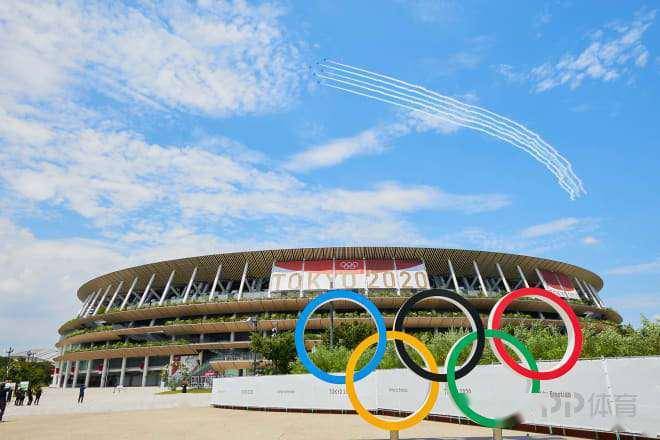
(144, 131)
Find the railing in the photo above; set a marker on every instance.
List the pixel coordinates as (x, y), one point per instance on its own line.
(237, 357)
(233, 296)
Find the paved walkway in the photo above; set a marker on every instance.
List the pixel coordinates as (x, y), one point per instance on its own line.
(213, 424)
(102, 400)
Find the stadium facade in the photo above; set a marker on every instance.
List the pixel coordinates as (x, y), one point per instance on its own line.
(137, 322)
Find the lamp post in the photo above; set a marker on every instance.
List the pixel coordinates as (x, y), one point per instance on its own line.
(9, 352)
(332, 325)
(254, 320)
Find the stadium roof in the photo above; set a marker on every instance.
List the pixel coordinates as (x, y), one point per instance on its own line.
(260, 263)
(41, 354)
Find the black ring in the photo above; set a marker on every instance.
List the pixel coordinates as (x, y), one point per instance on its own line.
(457, 300)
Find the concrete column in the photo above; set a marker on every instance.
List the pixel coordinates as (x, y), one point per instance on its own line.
(231, 337)
(215, 282)
(167, 288)
(189, 286)
(75, 374)
(538, 274)
(145, 371)
(59, 375)
(88, 373)
(122, 374)
(98, 306)
(453, 276)
(146, 290)
(128, 294)
(104, 373)
(481, 280)
(522, 276)
(66, 374)
(504, 281)
(243, 278)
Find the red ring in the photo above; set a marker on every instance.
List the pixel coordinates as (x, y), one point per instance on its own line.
(499, 346)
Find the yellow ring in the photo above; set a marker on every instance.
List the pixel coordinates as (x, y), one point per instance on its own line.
(422, 411)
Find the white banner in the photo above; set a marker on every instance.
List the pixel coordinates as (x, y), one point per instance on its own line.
(581, 399)
(348, 274)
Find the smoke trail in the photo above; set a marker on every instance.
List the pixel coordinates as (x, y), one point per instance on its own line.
(413, 97)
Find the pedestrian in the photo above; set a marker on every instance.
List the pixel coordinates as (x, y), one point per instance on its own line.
(3, 399)
(37, 395)
(30, 396)
(81, 393)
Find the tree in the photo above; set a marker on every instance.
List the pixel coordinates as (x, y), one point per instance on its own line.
(280, 349)
(349, 334)
(36, 372)
(545, 342)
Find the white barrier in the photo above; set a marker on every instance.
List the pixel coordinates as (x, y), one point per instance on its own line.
(620, 394)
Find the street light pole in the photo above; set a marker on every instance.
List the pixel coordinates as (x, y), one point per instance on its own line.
(332, 325)
(9, 352)
(254, 320)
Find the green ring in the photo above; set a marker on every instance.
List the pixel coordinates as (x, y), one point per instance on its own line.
(461, 399)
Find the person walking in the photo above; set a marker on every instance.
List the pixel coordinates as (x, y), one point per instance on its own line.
(30, 396)
(3, 399)
(37, 395)
(81, 393)
(18, 401)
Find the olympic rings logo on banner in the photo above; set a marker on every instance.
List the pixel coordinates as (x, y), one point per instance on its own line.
(348, 265)
(477, 338)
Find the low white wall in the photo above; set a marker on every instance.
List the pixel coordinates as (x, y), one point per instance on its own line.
(101, 400)
(595, 394)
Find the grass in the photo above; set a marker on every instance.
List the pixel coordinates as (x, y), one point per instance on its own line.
(190, 391)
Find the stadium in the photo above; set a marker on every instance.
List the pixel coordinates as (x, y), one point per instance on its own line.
(137, 322)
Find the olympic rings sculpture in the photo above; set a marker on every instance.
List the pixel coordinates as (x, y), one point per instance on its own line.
(477, 338)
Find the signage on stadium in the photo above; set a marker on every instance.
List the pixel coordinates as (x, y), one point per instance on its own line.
(559, 284)
(348, 274)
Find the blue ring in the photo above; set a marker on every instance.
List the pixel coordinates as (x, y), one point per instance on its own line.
(317, 302)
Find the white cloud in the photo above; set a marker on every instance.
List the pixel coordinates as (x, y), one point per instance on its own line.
(553, 227)
(38, 281)
(108, 177)
(371, 141)
(647, 302)
(510, 73)
(539, 239)
(590, 240)
(216, 57)
(614, 51)
(651, 267)
(337, 150)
